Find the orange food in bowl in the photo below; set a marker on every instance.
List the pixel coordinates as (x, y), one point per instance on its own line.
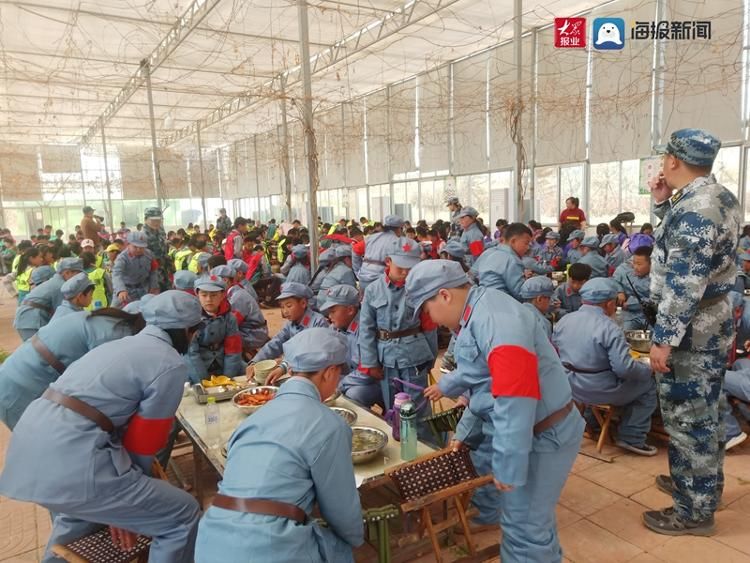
(255, 399)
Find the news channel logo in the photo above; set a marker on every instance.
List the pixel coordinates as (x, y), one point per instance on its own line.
(608, 34)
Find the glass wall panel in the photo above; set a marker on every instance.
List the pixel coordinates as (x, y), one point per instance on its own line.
(727, 168)
(634, 198)
(380, 201)
(499, 190)
(401, 205)
(480, 195)
(605, 193)
(547, 195)
(433, 203)
(571, 183)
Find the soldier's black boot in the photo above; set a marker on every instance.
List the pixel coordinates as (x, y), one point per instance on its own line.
(668, 523)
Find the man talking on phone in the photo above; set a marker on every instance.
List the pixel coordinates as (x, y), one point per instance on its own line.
(693, 270)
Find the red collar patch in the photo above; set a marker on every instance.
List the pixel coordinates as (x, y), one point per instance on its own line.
(305, 320)
(354, 326)
(389, 281)
(467, 313)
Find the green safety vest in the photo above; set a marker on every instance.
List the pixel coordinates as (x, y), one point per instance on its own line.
(182, 258)
(23, 280)
(99, 297)
(194, 266)
(280, 254)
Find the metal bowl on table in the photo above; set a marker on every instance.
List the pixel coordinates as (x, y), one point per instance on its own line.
(260, 390)
(349, 416)
(367, 443)
(330, 401)
(639, 340)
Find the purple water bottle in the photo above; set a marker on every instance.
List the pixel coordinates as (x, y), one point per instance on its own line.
(398, 400)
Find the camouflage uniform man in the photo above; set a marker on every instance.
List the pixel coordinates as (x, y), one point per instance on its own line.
(223, 223)
(157, 244)
(455, 208)
(693, 271)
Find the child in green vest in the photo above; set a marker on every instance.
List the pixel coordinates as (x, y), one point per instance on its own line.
(101, 279)
(29, 260)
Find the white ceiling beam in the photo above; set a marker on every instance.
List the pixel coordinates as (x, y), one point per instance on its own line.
(72, 100)
(92, 86)
(50, 113)
(361, 40)
(140, 21)
(10, 54)
(195, 13)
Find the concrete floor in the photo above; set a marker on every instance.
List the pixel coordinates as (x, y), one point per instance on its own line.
(599, 514)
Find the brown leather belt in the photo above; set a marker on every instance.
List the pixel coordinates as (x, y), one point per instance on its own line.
(261, 506)
(39, 306)
(571, 367)
(388, 335)
(46, 355)
(80, 407)
(376, 262)
(551, 420)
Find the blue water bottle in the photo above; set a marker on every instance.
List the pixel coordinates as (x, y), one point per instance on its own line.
(408, 431)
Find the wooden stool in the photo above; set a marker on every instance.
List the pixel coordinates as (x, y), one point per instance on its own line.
(603, 415)
(378, 533)
(98, 547)
(444, 476)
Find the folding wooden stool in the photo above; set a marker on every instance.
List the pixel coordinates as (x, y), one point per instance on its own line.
(435, 478)
(603, 414)
(98, 547)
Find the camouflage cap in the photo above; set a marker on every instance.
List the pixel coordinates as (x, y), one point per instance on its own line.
(692, 146)
(152, 212)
